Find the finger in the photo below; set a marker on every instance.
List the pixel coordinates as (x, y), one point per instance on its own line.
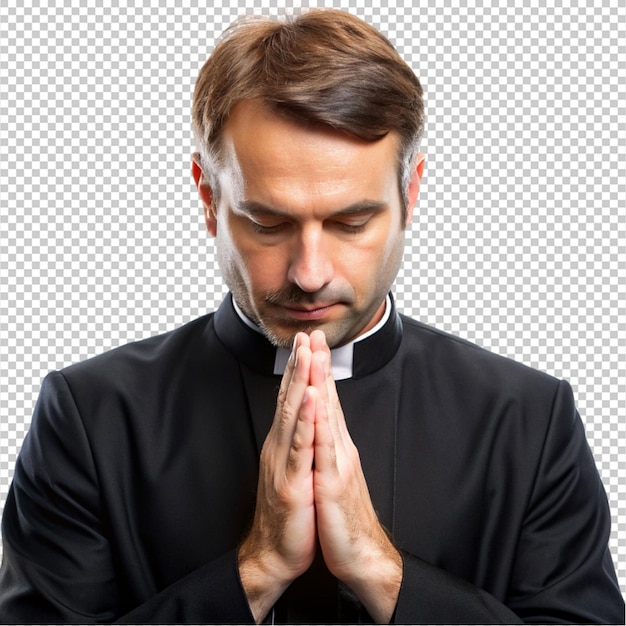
(320, 370)
(318, 342)
(291, 395)
(290, 402)
(325, 442)
(301, 452)
(301, 339)
(322, 379)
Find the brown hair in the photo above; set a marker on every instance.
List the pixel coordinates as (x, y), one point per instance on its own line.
(323, 66)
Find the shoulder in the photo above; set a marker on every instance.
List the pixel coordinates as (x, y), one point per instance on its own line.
(140, 388)
(467, 365)
(150, 354)
(490, 405)
(139, 377)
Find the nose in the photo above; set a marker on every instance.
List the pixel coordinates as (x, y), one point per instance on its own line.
(310, 266)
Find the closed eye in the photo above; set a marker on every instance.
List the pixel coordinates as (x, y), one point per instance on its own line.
(352, 220)
(351, 228)
(268, 229)
(354, 225)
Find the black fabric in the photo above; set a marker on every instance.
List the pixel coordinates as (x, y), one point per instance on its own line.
(137, 481)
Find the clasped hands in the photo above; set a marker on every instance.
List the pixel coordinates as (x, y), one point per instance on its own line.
(312, 488)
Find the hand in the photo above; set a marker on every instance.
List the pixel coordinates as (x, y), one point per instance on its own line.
(281, 544)
(311, 485)
(355, 546)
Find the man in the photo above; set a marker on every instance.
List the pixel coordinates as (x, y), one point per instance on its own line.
(306, 454)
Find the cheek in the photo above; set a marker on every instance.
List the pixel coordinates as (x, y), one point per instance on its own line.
(232, 259)
(374, 253)
(264, 267)
(377, 264)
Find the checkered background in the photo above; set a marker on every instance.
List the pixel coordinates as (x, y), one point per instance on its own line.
(519, 243)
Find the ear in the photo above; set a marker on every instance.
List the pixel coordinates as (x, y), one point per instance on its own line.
(206, 194)
(414, 186)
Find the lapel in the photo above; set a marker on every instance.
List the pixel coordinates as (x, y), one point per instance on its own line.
(255, 356)
(370, 408)
(261, 392)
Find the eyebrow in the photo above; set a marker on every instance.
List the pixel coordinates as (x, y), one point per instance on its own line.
(252, 207)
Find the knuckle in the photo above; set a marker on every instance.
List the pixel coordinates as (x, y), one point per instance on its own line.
(283, 418)
(293, 460)
(282, 396)
(297, 443)
(284, 494)
(355, 456)
(332, 450)
(286, 416)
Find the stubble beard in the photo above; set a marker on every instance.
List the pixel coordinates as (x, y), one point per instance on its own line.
(281, 333)
(338, 332)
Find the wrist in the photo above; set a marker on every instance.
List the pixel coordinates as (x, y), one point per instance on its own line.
(260, 587)
(263, 578)
(378, 583)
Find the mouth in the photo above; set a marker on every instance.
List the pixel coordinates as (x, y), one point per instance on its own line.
(309, 312)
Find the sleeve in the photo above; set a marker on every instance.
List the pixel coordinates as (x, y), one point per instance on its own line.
(58, 565)
(563, 572)
(430, 595)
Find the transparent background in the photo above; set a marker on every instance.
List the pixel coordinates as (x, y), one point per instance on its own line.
(519, 242)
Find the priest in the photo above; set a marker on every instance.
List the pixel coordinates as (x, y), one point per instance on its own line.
(306, 454)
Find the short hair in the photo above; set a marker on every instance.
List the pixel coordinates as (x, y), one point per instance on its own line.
(324, 66)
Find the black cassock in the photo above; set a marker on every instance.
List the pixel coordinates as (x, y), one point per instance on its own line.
(137, 481)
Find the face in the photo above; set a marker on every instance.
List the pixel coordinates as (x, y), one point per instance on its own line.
(308, 225)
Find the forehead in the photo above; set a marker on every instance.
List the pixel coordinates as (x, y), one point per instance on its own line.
(274, 159)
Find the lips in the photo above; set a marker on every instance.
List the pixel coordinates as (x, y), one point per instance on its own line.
(309, 312)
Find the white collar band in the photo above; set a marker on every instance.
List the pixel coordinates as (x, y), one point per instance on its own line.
(341, 358)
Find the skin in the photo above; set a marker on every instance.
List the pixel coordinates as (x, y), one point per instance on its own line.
(310, 238)
(308, 230)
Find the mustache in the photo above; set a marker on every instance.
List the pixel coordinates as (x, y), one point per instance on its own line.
(292, 294)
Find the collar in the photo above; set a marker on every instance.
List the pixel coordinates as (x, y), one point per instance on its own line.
(361, 357)
(342, 358)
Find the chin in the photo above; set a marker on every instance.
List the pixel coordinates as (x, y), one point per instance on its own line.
(283, 337)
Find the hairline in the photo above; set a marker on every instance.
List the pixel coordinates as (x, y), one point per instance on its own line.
(213, 160)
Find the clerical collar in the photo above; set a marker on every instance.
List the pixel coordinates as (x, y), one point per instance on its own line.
(370, 352)
(341, 358)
